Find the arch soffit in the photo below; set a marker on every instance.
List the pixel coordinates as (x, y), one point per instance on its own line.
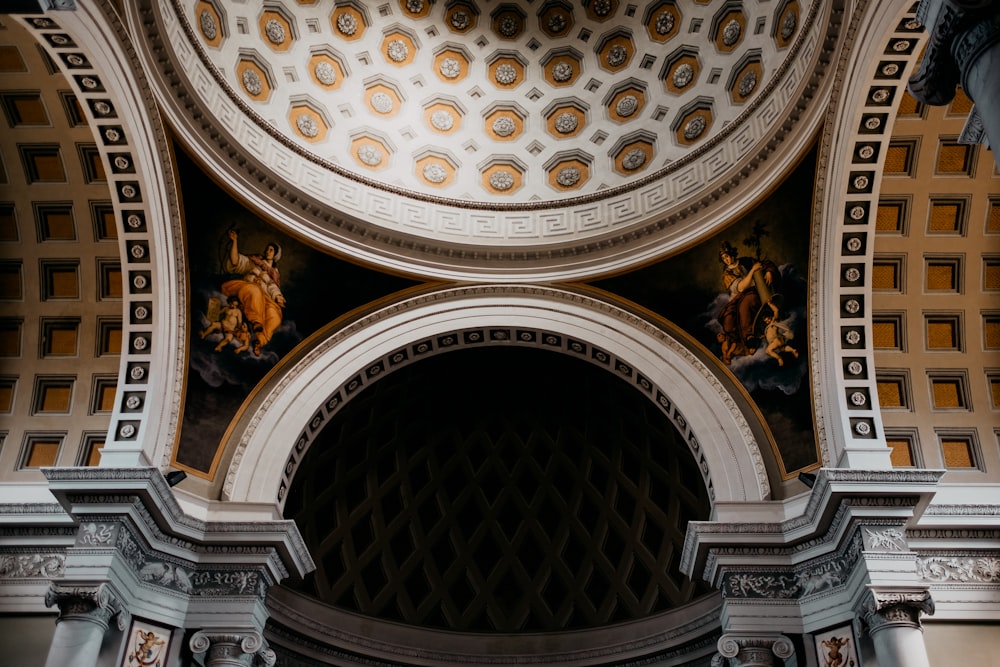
(868, 87)
(267, 442)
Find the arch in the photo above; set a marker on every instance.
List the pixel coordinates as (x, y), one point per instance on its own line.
(268, 440)
(866, 99)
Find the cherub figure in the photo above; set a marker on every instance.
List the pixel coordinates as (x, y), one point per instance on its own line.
(147, 649)
(776, 337)
(242, 337)
(729, 347)
(833, 657)
(230, 323)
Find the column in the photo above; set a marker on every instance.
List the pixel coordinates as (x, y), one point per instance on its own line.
(84, 615)
(963, 47)
(752, 650)
(893, 619)
(232, 648)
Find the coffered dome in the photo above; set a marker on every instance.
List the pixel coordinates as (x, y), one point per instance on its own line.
(515, 139)
(512, 102)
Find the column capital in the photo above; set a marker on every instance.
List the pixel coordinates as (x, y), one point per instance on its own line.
(886, 608)
(959, 30)
(751, 650)
(229, 647)
(93, 602)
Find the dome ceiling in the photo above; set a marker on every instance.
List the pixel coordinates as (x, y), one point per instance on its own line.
(466, 140)
(511, 101)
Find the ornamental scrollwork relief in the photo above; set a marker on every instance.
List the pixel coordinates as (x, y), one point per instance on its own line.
(31, 566)
(983, 569)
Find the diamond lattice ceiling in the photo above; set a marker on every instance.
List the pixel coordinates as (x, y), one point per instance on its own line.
(504, 502)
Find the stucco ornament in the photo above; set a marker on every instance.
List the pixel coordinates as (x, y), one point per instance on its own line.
(435, 173)
(251, 82)
(370, 155)
(382, 103)
(505, 74)
(275, 31)
(788, 25)
(442, 120)
(731, 33)
(627, 106)
(694, 127)
(508, 26)
(683, 75)
(307, 125)
(566, 122)
(568, 176)
(502, 180)
(617, 55)
(325, 73)
(347, 24)
(664, 23)
(450, 68)
(747, 83)
(562, 72)
(397, 50)
(207, 23)
(634, 159)
(504, 126)
(460, 20)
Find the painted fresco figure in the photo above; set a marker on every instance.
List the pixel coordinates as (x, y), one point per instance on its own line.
(147, 649)
(751, 285)
(231, 325)
(776, 337)
(258, 289)
(833, 657)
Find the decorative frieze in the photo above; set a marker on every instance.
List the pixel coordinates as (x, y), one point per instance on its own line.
(958, 569)
(32, 566)
(809, 579)
(188, 577)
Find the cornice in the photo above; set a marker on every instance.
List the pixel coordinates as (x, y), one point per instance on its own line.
(86, 493)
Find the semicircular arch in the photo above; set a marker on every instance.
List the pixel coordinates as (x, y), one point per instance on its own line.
(662, 363)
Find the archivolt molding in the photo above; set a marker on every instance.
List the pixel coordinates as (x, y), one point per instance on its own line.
(883, 45)
(313, 384)
(102, 66)
(446, 238)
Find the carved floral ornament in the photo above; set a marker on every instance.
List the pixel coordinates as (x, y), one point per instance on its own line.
(959, 569)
